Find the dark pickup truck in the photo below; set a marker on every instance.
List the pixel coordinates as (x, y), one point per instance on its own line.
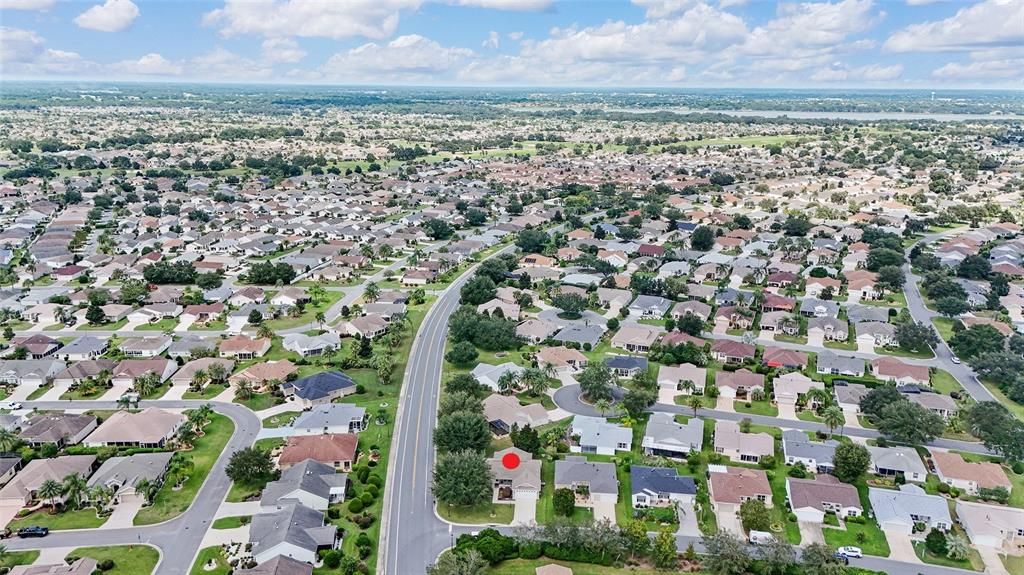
(33, 531)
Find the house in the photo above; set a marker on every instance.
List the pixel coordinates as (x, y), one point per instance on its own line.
(187, 346)
(561, 358)
(311, 345)
(993, 526)
(892, 369)
(128, 370)
(188, 372)
(369, 326)
(729, 487)
(591, 481)
(685, 378)
(123, 474)
(201, 313)
(785, 358)
(38, 346)
(504, 411)
(660, 487)
(901, 510)
(323, 387)
(833, 364)
(876, 333)
(815, 455)
(247, 295)
(335, 449)
(520, 483)
(859, 313)
(81, 371)
(9, 466)
(29, 372)
(739, 383)
(292, 530)
(942, 405)
(500, 308)
(664, 437)
(739, 446)
(790, 387)
(635, 337)
(536, 330)
(849, 395)
(897, 460)
(330, 418)
(83, 348)
(59, 429)
(811, 499)
(597, 435)
(814, 307)
(149, 428)
(259, 374)
(22, 489)
(145, 347)
(311, 483)
(649, 306)
(626, 365)
(582, 335)
(289, 296)
(734, 352)
(827, 329)
(695, 308)
(243, 347)
(967, 476)
(81, 566)
(491, 375)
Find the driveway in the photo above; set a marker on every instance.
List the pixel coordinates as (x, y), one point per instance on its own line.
(725, 404)
(8, 513)
(185, 323)
(728, 520)
(274, 433)
(604, 510)
(175, 392)
(688, 521)
(901, 547)
(787, 411)
(993, 564)
(865, 345)
(850, 413)
(766, 335)
(525, 512)
(55, 392)
(816, 338)
(124, 514)
(22, 392)
(810, 533)
(115, 393)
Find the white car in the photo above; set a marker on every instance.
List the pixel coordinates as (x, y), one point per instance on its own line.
(850, 551)
(955, 360)
(10, 405)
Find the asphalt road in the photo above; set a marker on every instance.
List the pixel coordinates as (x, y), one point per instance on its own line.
(177, 539)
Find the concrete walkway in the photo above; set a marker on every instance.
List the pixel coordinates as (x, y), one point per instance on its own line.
(725, 404)
(993, 563)
(53, 555)
(218, 537)
(124, 514)
(901, 547)
(228, 509)
(525, 512)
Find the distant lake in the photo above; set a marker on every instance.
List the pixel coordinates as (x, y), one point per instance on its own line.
(796, 115)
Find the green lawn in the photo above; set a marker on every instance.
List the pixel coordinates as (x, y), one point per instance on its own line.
(845, 345)
(104, 326)
(165, 324)
(874, 544)
(945, 383)
(78, 395)
(280, 420)
(900, 352)
(477, 514)
(890, 300)
(77, 519)
(258, 401)
(210, 553)
(529, 567)
(213, 325)
(1014, 564)
(756, 408)
(972, 563)
(211, 391)
(15, 558)
(128, 559)
(785, 337)
(308, 316)
(944, 326)
(169, 503)
(231, 522)
(39, 391)
(808, 415)
(1014, 407)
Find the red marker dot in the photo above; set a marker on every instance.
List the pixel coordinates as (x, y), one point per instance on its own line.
(510, 461)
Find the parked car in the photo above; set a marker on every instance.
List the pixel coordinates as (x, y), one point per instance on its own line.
(760, 537)
(10, 405)
(955, 360)
(850, 551)
(33, 531)
(842, 558)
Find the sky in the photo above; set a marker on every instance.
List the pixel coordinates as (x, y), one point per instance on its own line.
(568, 43)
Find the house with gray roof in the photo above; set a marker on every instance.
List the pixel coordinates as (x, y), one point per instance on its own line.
(666, 438)
(660, 487)
(279, 565)
(592, 481)
(292, 530)
(490, 375)
(831, 328)
(580, 334)
(814, 307)
(897, 460)
(183, 347)
(848, 395)
(859, 313)
(29, 371)
(83, 348)
(833, 364)
(815, 455)
(309, 483)
(649, 306)
(123, 474)
(331, 418)
(899, 511)
(597, 435)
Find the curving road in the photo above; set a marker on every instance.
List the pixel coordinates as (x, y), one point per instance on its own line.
(178, 539)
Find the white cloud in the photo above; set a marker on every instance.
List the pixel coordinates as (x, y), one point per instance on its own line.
(24, 53)
(922, 2)
(662, 8)
(839, 72)
(989, 23)
(27, 4)
(411, 58)
(991, 64)
(282, 50)
(151, 64)
(111, 16)
(223, 64)
(731, 3)
(376, 19)
(517, 5)
(492, 41)
(515, 36)
(19, 46)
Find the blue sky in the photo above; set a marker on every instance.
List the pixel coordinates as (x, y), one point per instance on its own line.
(700, 43)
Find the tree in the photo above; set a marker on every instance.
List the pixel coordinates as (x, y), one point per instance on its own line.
(851, 460)
(833, 417)
(878, 398)
(462, 478)
(695, 402)
(438, 229)
(464, 382)
(95, 315)
(755, 516)
(459, 401)
(133, 292)
(635, 535)
(462, 353)
(371, 291)
(74, 488)
(951, 306)
(596, 382)
(916, 336)
(479, 289)
(819, 559)
(908, 422)
(49, 491)
(250, 466)
(9, 441)
(664, 554)
(535, 381)
(935, 542)
(690, 324)
(531, 241)
(564, 502)
(637, 401)
(702, 239)
(255, 317)
(571, 304)
(977, 340)
(526, 439)
(467, 562)
(958, 548)
(995, 426)
(776, 556)
(882, 257)
(462, 431)
(797, 226)
(974, 267)
(891, 278)
(725, 554)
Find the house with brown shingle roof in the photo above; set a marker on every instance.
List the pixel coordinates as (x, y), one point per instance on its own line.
(729, 351)
(732, 384)
(811, 499)
(561, 358)
(968, 476)
(242, 347)
(149, 428)
(335, 449)
(259, 374)
(729, 487)
(891, 369)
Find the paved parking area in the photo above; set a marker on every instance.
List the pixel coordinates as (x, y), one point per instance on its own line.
(901, 547)
(525, 512)
(787, 411)
(604, 510)
(688, 521)
(810, 533)
(728, 520)
(124, 513)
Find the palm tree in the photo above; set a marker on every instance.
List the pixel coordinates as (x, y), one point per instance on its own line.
(695, 402)
(244, 389)
(264, 331)
(507, 382)
(75, 487)
(602, 406)
(819, 396)
(99, 495)
(371, 292)
(316, 292)
(321, 319)
(687, 386)
(218, 372)
(187, 435)
(199, 379)
(146, 383)
(833, 417)
(49, 491)
(8, 441)
(4, 554)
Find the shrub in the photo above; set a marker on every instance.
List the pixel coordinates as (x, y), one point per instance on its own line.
(355, 506)
(530, 551)
(564, 502)
(767, 462)
(332, 559)
(333, 513)
(106, 565)
(373, 490)
(373, 480)
(360, 389)
(363, 540)
(363, 473)
(791, 518)
(935, 542)
(1018, 467)
(367, 498)
(943, 488)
